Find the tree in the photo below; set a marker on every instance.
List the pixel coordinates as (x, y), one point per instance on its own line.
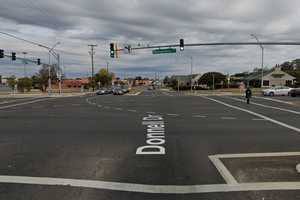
(24, 84)
(41, 78)
(104, 77)
(12, 82)
(210, 77)
(167, 80)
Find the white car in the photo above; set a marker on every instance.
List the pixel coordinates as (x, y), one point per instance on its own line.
(277, 91)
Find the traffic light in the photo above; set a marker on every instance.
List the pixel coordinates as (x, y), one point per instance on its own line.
(1, 53)
(112, 50)
(13, 56)
(38, 61)
(181, 44)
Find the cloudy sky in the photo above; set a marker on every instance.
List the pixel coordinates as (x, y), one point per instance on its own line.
(77, 23)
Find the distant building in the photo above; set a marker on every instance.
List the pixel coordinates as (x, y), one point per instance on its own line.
(274, 77)
(186, 80)
(73, 83)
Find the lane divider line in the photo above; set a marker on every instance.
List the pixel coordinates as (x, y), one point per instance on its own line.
(255, 114)
(267, 106)
(228, 118)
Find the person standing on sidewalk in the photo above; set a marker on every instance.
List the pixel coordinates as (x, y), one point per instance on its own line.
(248, 94)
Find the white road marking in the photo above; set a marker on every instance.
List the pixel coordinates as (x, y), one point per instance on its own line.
(155, 189)
(171, 114)
(256, 114)
(276, 100)
(229, 118)
(99, 106)
(254, 155)
(223, 170)
(200, 116)
(266, 106)
(118, 108)
(298, 168)
(151, 112)
(23, 103)
(216, 160)
(132, 110)
(258, 119)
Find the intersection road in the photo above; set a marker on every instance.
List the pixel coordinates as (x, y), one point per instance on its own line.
(85, 148)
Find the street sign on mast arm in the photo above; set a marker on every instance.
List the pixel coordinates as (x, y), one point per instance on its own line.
(160, 51)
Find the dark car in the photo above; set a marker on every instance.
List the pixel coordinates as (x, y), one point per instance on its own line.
(295, 92)
(101, 92)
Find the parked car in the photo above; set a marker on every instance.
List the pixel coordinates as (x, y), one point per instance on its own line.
(277, 91)
(118, 92)
(295, 92)
(102, 92)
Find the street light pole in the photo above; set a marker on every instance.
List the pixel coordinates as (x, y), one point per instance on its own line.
(262, 58)
(49, 67)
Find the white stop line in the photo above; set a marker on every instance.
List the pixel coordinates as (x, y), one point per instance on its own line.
(159, 189)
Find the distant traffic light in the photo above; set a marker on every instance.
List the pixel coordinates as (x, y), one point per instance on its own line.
(38, 61)
(181, 44)
(1, 53)
(13, 56)
(112, 50)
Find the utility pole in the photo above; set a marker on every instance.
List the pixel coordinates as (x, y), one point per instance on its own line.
(92, 53)
(107, 63)
(191, 73)
(213, 76)
(24, 61)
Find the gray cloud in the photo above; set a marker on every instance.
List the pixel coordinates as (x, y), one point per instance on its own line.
(77, 23)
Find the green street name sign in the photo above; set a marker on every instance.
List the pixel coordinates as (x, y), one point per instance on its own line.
(160, 51)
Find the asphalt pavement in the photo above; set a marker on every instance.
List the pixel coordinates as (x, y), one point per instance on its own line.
(215, 147)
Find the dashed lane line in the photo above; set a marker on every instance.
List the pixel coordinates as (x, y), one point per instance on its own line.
(132, 110)
(255, 114)
(171, 114)
(228, 118)
(151, 112)
(118, 108)
(258, 119)
(200, 116)
(154, 189)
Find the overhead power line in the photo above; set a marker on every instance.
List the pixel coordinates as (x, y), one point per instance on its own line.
(37, 44)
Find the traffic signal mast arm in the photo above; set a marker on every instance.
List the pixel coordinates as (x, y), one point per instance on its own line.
(13, 56)
(213, 44)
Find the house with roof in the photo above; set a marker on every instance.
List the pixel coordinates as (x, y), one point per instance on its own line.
(274, 77)
(185, 81)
